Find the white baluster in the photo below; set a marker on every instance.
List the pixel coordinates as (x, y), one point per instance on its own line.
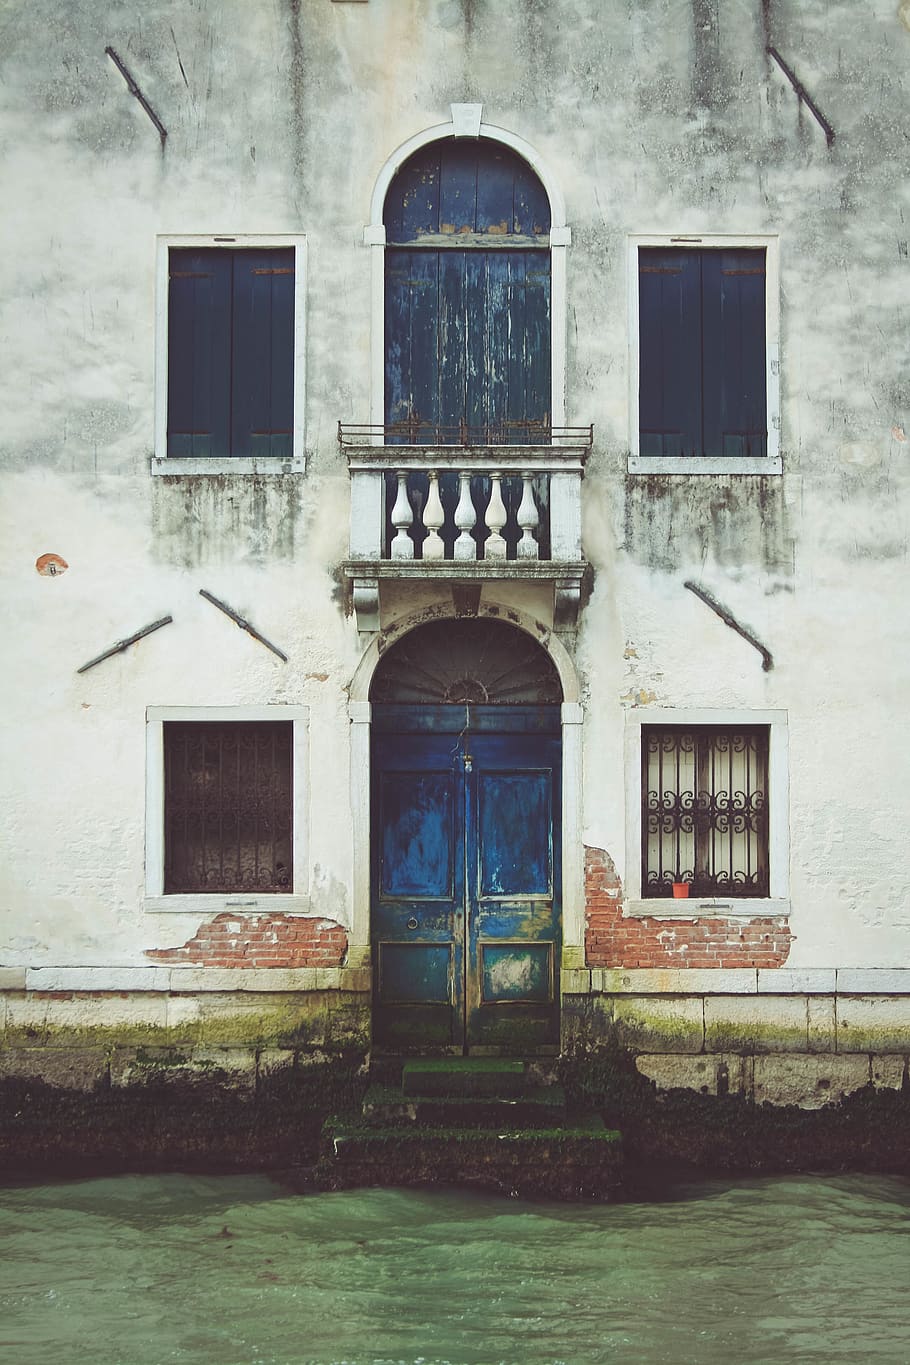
(528, 520)
(465, 517)
(433, 518)
(402, 516)
(494, 547)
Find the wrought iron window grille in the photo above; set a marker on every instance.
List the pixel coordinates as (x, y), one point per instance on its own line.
(705, 810)
(228, 806)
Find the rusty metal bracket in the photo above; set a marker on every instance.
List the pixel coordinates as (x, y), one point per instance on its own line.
(731, 621)
(803, 94)
(242, 623)
(121, 645)
(133, 88)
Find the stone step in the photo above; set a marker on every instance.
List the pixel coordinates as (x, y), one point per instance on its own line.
(583, 1161)
(461, 1076)
(538, 1106)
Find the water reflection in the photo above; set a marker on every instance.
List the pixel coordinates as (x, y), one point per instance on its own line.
(148, 1269)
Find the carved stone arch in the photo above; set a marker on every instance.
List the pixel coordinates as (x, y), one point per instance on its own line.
(360, 711)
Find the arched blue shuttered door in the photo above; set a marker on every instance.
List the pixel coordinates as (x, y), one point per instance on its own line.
(467, 305)
(466, 850)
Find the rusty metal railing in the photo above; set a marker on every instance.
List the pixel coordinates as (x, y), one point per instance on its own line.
(417, 431)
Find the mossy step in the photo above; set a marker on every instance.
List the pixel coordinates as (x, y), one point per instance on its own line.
(538, 1106)
(460, 1076)
(581, 1162)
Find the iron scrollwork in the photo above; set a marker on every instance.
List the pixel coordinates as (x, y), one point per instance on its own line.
(705, 817)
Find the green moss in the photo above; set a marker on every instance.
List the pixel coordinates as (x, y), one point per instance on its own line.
(681, 1130)
(312, 1019)
(171, 1122)
(163, 1059)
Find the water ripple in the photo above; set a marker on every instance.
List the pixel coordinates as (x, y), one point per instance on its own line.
(235, 1271)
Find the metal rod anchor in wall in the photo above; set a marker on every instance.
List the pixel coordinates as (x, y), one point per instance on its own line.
(242, 623)
(767, 660)
(803, 95)
(133, 87)
(121, 645)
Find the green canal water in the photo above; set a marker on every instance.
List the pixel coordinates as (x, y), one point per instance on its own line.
(149, 1269)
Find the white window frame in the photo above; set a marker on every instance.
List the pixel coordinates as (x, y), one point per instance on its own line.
(704, 464)
(161, 462)
(298, 902)
(778, 902)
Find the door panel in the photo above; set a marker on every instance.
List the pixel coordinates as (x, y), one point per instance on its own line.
(515, 833)
(466, 871)
(417, 834)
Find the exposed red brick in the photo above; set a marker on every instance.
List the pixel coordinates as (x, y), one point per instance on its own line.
(260, 941)
(614, 941)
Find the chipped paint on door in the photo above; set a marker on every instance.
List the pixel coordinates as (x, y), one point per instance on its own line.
(466, 872)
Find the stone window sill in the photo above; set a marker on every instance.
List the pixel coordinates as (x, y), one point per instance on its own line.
(707, 907)
(227, 464)
(703, 464)
(252, 904)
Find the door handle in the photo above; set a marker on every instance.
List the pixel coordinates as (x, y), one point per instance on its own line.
(412, 923)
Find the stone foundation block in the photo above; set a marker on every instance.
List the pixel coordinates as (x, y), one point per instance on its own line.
(821, 1023)
(222, 1067)
(348, 1021)
(273, 1060)
(67, 1068)
(676, 980)
(764, 1023)
(26, 1021)
(650, 1024)
(585, 1019)
(262, 1021)
(709, 1074)
(889, 1073)
(873, 1025)
(808, 1080)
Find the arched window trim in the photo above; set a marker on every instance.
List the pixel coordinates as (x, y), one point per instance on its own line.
(374, 237)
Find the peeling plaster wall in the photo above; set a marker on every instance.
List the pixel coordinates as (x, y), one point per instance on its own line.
(661, 116)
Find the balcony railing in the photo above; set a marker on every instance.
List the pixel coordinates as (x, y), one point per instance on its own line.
(465, 507)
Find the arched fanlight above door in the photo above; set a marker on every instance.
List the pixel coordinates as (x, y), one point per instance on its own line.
(478, 662)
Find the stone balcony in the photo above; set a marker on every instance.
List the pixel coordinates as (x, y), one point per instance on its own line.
(468, 508)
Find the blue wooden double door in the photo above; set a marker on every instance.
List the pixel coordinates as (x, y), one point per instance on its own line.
(466, 871)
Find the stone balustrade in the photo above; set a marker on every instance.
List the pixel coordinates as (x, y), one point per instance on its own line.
(465, 513)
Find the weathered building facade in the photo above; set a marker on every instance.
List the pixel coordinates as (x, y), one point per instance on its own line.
(532, 379)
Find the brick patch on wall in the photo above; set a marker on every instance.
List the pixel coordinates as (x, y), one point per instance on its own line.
(260, 941)
(611, 940)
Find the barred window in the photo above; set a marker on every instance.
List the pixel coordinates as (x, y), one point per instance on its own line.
(705, 810)
(228, 806)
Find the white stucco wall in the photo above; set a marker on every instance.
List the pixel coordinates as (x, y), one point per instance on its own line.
(665, 117)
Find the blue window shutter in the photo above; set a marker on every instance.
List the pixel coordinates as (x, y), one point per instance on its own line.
(733, 309)
(262, 398)
(412, 203)
(531, 206)
(199, 353)
(453, 338)
(458, 187)
(411, 327)
(670, 369)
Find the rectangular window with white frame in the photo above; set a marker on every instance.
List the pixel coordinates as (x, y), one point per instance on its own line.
(707, 812)
(704, 329)
(225, 790)
(230, 355)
